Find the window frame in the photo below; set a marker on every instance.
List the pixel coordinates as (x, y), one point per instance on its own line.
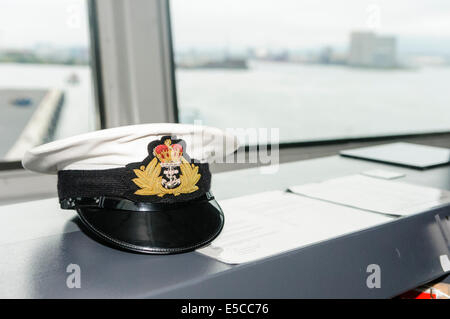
(122, 26)
(135, 48)
(9, 166)
(131, 46)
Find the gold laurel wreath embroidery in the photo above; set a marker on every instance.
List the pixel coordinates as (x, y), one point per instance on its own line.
(149, 181)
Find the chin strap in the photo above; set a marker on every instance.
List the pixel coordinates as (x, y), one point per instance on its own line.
(125, 204)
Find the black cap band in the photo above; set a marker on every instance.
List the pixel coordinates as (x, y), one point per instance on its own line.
(117, 183)
(125, 204)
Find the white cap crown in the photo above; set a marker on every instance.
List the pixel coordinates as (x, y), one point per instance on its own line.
(117, 147)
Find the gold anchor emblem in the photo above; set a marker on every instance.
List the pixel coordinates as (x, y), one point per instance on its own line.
(179, 176)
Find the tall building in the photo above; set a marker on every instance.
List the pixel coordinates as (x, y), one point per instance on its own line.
(369, 50)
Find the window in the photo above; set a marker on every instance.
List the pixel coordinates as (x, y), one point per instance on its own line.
(317, 70)
(46, 87)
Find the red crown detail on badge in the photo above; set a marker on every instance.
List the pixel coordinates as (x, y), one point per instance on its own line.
(168, 153)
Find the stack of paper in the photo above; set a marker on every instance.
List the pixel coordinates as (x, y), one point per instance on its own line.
(269, 223)
(377, 195)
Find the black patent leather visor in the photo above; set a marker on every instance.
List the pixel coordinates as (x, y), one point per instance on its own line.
(173, 229)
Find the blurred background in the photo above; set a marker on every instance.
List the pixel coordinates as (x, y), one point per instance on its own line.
(317, 70)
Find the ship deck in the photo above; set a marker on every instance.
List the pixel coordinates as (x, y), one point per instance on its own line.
(14, 118)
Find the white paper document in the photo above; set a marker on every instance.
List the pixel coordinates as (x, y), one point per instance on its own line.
(265, 224)
(374, 194)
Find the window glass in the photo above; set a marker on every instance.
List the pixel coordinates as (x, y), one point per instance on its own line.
(316, 70)
(45, 78)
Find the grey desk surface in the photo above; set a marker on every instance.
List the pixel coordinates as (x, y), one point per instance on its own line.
(35, 267)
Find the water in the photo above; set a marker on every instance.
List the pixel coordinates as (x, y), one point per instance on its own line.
(307, 102)
(314, 102)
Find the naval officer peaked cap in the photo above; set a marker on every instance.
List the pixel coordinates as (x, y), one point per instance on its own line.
(143, 188)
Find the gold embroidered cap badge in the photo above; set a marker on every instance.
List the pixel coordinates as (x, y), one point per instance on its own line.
(178, 175)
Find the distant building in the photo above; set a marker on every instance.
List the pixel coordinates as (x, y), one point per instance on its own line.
(369, 50)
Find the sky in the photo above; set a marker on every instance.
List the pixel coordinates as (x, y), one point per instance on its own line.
(303, 23)
(240, 23)
(25, 23)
